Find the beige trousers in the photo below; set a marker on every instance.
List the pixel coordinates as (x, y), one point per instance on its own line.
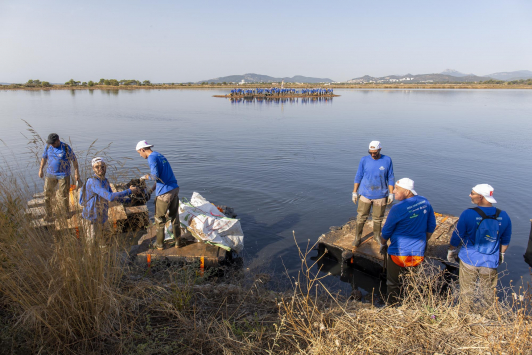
(50, 184)
(486, 286)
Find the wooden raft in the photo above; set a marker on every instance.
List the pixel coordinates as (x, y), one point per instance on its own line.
(118, 214)
(207, 255)
(338, 243)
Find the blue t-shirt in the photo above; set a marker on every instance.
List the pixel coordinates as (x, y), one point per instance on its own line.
(162, 172)
(58, 160)
(96, 195)
(465, 233)
(374, 177)
(407, 225)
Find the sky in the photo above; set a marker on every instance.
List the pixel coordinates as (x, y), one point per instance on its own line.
(182, 41)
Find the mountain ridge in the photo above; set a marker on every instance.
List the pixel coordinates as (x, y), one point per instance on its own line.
(258, 78)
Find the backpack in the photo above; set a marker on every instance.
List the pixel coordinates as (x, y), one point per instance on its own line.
(66, 147)
(83, 193)
(487, 238)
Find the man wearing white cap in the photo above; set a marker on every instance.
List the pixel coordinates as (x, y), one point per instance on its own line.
(167, 193)
(409, 226)
(374, 182)
(484, 233)
(95, 196)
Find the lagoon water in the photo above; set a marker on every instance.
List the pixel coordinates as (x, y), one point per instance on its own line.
(288, 168)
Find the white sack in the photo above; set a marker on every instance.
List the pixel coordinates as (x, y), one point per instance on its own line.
(207, 223)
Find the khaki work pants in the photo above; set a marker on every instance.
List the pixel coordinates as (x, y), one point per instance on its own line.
(364, 206)
(93, 231)
(50, 184)
(163, 203)
(469, 288)
(394, 284)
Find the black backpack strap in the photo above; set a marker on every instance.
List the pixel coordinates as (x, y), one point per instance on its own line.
(480, 212)
(485, 216)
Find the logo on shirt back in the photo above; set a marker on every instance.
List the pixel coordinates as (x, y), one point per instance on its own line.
(381, 168)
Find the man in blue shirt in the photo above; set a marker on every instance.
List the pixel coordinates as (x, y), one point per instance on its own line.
(58, 155)
(167, 193)
(374, 182)
(95, 196)
(475, 261)
(409, 226)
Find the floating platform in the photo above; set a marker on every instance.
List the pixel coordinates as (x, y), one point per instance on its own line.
(207, 255)
(338, 243)
(262, 96)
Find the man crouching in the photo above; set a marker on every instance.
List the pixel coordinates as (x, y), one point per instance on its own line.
(409, 226)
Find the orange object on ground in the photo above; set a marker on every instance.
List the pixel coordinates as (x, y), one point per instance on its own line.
(407, 261)
(148, 259)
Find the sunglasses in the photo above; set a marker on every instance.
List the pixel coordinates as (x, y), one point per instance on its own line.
(373, 153)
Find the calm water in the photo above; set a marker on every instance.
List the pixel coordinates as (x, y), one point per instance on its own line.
(288, 167)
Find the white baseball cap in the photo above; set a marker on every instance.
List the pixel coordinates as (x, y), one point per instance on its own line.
(374, 145)
(406, 183)
(143, 144)
(486, 191)
(97, 160)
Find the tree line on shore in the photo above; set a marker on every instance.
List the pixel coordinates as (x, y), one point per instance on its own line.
(36, 83)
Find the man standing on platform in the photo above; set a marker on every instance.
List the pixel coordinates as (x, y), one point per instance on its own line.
(484, 232)
(58, 155)
(374, 182)
(409, 226)
(167, 193)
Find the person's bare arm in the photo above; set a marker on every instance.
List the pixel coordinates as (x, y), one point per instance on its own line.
(390, 187)
(41, 168)
(355, 188)
(504, 248)
(76, 169)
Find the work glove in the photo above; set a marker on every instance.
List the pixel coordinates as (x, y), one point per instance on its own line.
(355, 197)
(142, 178)
(501, 258)
(451, 255)
(383, 250)
(390, 199)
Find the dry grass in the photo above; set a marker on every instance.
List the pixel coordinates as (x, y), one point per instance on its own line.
(60, 295)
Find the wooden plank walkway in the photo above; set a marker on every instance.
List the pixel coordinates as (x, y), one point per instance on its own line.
(118, 214)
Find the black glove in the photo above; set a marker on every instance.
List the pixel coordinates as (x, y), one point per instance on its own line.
(384, 249)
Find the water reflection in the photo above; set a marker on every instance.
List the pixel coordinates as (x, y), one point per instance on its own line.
(282, 100)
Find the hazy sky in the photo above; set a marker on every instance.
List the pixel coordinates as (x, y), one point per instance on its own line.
(179, 41)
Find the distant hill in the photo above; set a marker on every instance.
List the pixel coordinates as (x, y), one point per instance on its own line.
(259, 78)
(512, 75)
(453, 72)
(418, 78)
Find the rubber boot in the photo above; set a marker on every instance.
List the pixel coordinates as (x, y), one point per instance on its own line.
(377, 227)
(159, 239)
(358, 234)
(179, 241)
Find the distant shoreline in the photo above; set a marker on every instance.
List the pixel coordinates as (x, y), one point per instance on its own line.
(194, 86)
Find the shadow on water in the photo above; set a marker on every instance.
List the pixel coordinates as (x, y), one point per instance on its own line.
(265, 234)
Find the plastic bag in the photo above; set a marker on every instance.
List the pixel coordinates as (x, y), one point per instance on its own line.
(207, 223)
